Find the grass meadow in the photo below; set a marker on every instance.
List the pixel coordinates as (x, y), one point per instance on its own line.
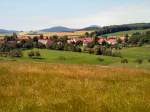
(65, 57)
(43, 87)
(75, 82)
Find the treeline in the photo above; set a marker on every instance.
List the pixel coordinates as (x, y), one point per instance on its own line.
(139, 38)
(119, 28)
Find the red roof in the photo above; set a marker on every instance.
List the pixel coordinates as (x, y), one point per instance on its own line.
(100, 40)
(87, 40)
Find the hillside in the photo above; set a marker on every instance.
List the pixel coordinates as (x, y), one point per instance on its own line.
(58, 29)
(91, 28)
(3, 31)
(122, 33)
(50, 56)
(125, 27)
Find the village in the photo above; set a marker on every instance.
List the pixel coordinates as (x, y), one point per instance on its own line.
(99, 45)
(71, 39)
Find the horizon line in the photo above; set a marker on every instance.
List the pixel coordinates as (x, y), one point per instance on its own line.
(8, 29)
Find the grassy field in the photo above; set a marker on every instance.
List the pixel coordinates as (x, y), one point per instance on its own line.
(1, 35)
(134, 53)
(43, 87)
(50, 56)
(75, 82)
(127, 32)
(64, 57)
(69, 34)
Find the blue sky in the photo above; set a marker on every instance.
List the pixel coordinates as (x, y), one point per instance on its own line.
(38, 14)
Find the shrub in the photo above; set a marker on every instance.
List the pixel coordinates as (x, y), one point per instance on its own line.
(149, 60)
(70, 47)
(40, 45)
(66, 47)
(4, 54)
(97, 50)
(78, 49)
(116, 54)
(107, 52)
(91, 45)
(90, 51)
(15, 53)
(34, 54)
(28, 45)
(37, 54)
(31, 54)
(100, 59)
(124, 61)
(139, 61)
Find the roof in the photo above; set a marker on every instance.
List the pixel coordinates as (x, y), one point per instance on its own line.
(87, 40)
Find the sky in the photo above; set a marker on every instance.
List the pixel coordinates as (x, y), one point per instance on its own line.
(38, 14)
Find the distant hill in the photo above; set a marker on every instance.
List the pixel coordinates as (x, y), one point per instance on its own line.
(58, 29)
(92, 27)
(3, 31)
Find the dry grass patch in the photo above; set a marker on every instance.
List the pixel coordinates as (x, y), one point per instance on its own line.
(43, 87)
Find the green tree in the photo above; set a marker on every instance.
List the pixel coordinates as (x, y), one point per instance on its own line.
(15, 36)
(87, 34)
(16, 53)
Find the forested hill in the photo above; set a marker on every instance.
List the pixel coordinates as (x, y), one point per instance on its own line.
(124, 27)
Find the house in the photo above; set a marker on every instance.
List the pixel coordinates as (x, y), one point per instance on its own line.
(112, 40)
(87, 40)
(1, 40)
(73, 40)
(45, 41)
(101, 40)
(122, 38)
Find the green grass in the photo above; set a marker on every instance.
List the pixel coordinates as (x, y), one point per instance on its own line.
(3, 35)
(137, 52)
(65, 57)
(134, 53)
(43, 87)
(127, 32)
(52, 56)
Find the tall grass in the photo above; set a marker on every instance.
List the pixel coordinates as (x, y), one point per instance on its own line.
(43, 87)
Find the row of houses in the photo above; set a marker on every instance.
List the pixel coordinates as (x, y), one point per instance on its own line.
(112, 40)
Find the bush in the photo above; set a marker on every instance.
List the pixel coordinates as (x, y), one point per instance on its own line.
(149, 60)
(28, 45)
(15, 53)
(107, 52)
(116, 54)
(31, 54)
(139, 61)
(90, 51)
(97, 50)
(40, 45)
(70, 47)
(34, 54)
(4, 54)
(78, 49)
(37, 54)
(91, 45)
(124, 61)
(100, 59)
